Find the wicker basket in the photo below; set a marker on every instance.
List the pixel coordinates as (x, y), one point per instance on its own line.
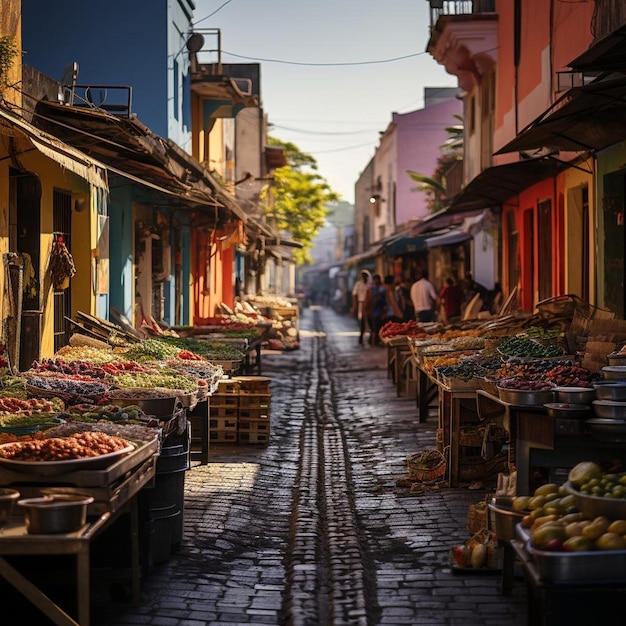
(477, 517)
(427, 465)
(472, 436)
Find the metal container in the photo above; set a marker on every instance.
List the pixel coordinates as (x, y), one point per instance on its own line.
(8, 498)
(614, 372)
(600, 565)
(607, 429)
(564, 410)
(575, 395)
(504, 518)
(55, 514)
(611, 390)
(520, 397)
(611, 409)
(594, 506)
(616, 359)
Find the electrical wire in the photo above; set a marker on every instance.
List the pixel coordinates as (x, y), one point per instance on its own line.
(214, 12)
(345, 63)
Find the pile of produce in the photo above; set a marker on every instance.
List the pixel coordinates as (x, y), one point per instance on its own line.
(556, 524)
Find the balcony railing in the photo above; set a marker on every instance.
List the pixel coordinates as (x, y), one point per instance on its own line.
(458, 7)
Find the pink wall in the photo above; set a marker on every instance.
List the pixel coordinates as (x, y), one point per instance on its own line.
(419, 135)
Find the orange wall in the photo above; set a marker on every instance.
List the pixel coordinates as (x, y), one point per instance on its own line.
(535, 86)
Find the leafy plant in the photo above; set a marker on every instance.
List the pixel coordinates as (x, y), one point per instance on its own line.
(8, 52)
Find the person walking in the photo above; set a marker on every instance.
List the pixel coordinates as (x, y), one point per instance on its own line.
(392, 311)
(451, 299)
(424, 297)
(359, 295)
(375, 307)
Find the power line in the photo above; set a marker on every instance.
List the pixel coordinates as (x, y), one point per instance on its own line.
(214, 12)
(316, 132)
(407, 56)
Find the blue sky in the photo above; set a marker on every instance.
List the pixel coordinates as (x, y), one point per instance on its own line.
(332, 71)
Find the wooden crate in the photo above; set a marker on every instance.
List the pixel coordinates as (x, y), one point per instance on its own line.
(224, 424)
(223, 436)
(256, 401)
(223, 400)
(261, 413)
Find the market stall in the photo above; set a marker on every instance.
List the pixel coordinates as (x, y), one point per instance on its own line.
(469, 373)
(108, 426)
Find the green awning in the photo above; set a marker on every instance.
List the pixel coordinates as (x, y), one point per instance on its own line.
(405, 245)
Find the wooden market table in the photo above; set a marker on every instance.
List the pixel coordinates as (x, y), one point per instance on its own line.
(450, 420)
(540, 441)
(115, 491)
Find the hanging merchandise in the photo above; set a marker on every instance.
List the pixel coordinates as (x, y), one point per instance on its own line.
(61, 265)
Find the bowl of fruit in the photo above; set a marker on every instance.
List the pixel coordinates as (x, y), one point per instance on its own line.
(596, 492)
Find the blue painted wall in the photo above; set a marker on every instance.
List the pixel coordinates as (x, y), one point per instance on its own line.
(136, 43)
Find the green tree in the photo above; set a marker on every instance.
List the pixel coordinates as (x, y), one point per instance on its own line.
(297, 200)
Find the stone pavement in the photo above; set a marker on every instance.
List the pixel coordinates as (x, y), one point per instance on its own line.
(312, 528)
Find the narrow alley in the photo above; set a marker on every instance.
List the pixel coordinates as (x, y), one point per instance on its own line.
(312, 529)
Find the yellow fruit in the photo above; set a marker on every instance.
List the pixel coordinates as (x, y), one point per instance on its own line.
(583, 472)
(544, 519)
(617, 526)
(520, 503)
(549, 488)
(546, 533)
(597, 527)
(575, 529)
(536, 502)
(610, 541)
(578, 544)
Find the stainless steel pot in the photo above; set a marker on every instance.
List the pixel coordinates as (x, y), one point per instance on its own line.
(55, 514)
(610, 409)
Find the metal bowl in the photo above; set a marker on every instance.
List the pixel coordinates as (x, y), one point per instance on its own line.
(575, 395)
(55, 514)
(614, 372)
(611, 390)
(8, 498)
(607, 429)
(566, 410)
(521, 397)
(504, 519)
(611, 409)
(594, 506)
(616, 359)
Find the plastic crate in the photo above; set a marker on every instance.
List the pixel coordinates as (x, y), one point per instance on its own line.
(223, 400)
(257, 401)
(254, 438)
(254, 414)
(223, 436)
(223, 424)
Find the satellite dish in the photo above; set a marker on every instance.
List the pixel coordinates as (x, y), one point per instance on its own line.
(195, 43)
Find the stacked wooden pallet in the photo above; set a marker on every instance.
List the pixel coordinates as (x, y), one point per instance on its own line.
(239, 411)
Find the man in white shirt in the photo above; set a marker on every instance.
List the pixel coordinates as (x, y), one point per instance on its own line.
(359, 293)
(425, 299)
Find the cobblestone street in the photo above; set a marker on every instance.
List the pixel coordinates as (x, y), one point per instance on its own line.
(312, 529)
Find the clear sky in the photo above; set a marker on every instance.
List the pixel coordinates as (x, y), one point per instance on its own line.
(332, 71)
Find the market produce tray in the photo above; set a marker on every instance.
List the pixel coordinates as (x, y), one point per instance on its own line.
(110, 488)
(573, 567)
